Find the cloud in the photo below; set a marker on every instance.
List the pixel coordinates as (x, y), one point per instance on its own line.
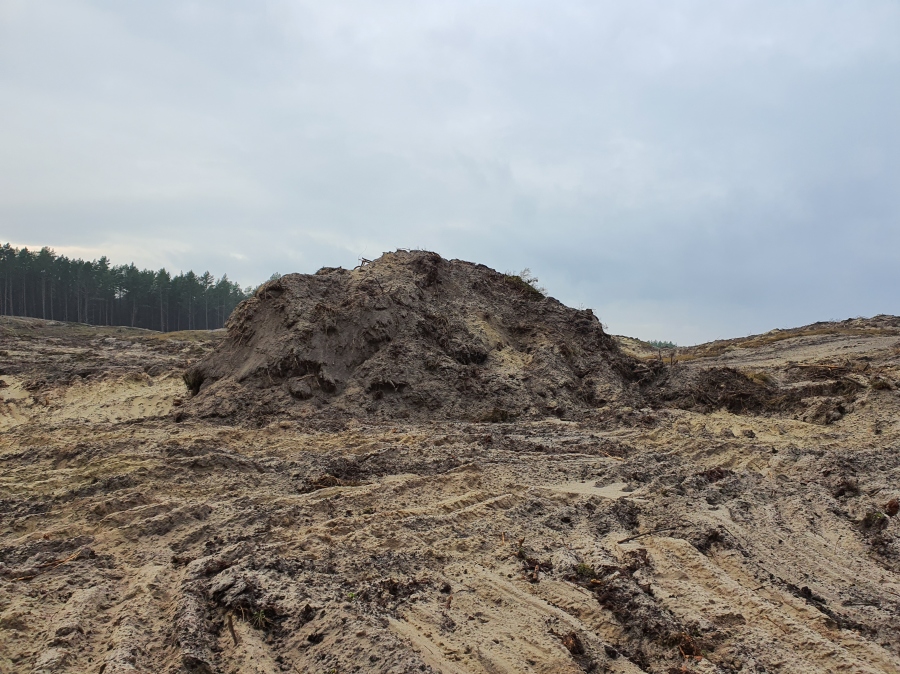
(690, 171)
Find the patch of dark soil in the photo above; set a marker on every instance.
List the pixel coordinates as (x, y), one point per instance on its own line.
(616, 515)
(716, 388)
(821, 605)
(410, 334)
(886, 549)
(716, 537)
(10, 509)
(342, 471)
(326, 481)
(654, 633)
(194, 633)
(714, 474)
(532, 567)
(388, 593)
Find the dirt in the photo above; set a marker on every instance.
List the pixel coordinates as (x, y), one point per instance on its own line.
(658, 527)
(408, 336)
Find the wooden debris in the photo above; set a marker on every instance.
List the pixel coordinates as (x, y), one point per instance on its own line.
(646, 533)
(571, 641)
(231, 630)
(49, 566)
(689, 648)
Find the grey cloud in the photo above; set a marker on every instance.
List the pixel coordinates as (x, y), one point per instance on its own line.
(690, 171)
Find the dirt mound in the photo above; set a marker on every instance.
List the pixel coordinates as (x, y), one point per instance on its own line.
(815, 393)
(407, 335)
(719, 388)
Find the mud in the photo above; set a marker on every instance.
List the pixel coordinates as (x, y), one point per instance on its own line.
(657, 532)
(408, 336)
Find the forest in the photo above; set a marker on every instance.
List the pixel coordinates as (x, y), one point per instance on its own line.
(42, 284)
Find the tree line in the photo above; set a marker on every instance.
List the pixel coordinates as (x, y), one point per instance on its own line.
(42, 284)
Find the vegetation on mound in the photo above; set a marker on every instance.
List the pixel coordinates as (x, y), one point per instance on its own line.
(526, 283)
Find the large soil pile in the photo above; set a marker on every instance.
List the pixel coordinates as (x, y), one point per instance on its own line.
(408, 335)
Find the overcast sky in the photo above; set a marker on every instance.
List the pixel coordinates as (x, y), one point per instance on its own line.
(689, 170)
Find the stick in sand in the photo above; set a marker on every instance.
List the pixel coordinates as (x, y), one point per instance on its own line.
(646, 533)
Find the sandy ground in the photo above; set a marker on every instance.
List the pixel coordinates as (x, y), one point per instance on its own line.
(658, 540)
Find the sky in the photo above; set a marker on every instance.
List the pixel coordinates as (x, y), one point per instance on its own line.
(688, 170)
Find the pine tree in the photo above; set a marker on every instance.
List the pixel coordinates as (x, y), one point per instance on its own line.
(43, 285)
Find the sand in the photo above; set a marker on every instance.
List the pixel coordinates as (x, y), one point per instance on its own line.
(633, 539)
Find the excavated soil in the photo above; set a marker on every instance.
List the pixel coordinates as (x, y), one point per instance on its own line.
(729, 508)
(408, 336)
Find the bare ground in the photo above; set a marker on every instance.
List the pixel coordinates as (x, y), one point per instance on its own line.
(675, 537)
